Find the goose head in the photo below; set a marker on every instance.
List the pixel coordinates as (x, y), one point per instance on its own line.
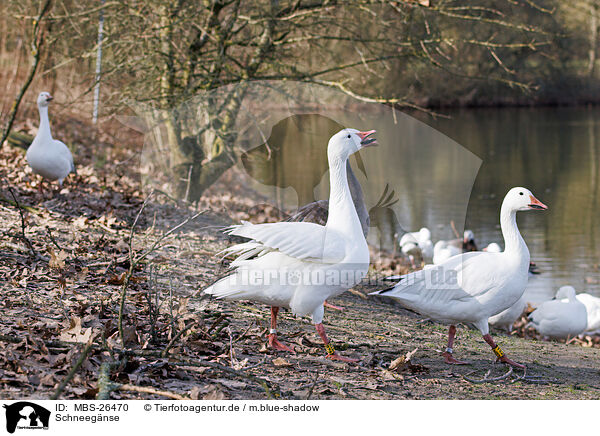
(493, 248)
(566, 292)
(424, 235)
(44, 99)
(522, 199)
(468, 236)
(348, 141)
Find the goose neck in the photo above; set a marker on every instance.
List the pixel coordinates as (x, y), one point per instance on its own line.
(44, 129)
(513, 241)
(342, 213)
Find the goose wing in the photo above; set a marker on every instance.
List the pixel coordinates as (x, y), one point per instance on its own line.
(300, 240)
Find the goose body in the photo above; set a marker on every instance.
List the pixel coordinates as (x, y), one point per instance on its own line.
(471, 287)
(47, 156)
(505, 319)
(417, 244)
(299, 265)
(444, 250)
(592, 307)
(562, 317)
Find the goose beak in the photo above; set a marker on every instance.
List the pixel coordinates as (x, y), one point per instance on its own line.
(365, 141)
(536, 204)
(49, 98)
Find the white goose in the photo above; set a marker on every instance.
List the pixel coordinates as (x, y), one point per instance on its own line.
(560, 318)
(444, 250)
(299, 265)
(592, 306)
(46, 156)
(471, 287)
(417, 244)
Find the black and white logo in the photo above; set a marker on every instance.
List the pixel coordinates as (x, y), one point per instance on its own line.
(25, 415)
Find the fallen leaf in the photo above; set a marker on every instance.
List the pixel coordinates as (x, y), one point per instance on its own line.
(214, 393)
(280, 361)
(57, 260)
(75, 333)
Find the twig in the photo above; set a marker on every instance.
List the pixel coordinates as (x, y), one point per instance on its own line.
(105, 386)
(23, 226)
(74, 369)
(51, 236)
(175, 338)
(148, 390)
(312, 387)
(486, 378)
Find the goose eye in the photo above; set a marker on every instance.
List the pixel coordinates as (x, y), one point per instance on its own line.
(520, 193)
(349, 136)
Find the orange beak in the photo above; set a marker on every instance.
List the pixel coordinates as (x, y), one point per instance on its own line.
(365, 141)
(536, 204)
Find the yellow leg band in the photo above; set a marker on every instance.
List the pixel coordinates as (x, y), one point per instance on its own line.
(329, 348)
(498, 351)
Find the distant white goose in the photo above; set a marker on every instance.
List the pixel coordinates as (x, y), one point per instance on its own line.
(46, 156)
(493, 248)
(471, 287)
(592, 307)
(417, 244)
(444, 250)
(299, 265)
(560, 318)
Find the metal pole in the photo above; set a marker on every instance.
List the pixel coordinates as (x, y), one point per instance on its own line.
(98, 66)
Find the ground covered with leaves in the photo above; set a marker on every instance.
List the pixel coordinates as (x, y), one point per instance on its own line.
(100, 298)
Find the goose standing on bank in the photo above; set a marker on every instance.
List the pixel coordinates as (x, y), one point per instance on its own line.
(558, 318)
(47, 156)
(471, 287)
(299, 265)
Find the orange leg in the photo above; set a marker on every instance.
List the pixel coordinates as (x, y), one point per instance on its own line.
(499, 353)
(448, 358)
(273, 342)
(331, 353)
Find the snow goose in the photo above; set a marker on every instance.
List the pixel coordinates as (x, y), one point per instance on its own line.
(417, 244)
(299, 265)
(592, 307)
(444, 250)
(560, 318)
(471, 287)
(46, 156)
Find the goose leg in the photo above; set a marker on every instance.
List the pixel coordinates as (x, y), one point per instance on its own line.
(499, 353)
(448, 353)
(331, 353)
(273, 342)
